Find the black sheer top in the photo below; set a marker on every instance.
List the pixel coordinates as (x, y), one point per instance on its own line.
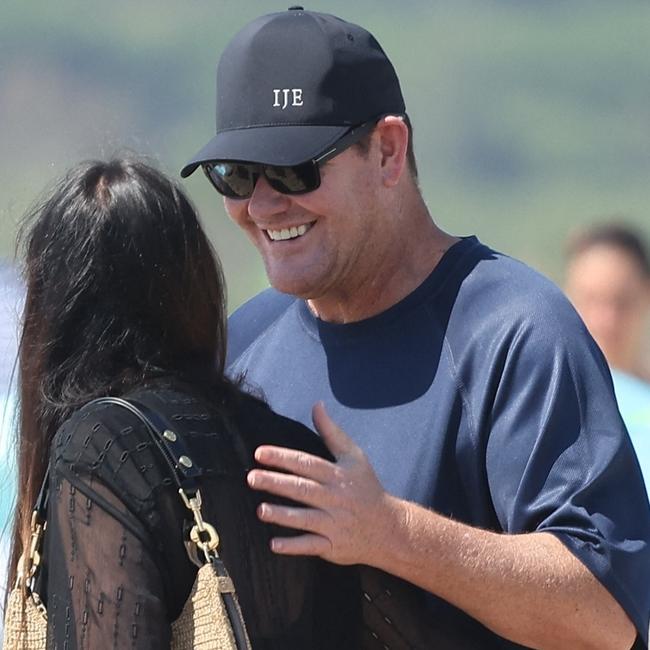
(116, 570)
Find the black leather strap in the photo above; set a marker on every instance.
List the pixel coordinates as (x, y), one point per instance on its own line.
(183, 465)
(43, 496)
(172, 447)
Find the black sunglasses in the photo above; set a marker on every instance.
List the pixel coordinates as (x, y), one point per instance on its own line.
(236, 180)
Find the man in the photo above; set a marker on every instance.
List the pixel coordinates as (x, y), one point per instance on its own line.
(496, 475)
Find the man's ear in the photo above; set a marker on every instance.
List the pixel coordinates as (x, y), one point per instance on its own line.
(393, 136)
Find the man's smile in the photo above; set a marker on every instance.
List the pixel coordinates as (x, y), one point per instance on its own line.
(288, 233)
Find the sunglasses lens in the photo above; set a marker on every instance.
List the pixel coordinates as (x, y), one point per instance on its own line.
(234, 180)
(237, 180)
(297, 179)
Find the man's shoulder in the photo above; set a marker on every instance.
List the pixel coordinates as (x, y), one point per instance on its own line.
(503, 289)
(505, 304)
(247, 323)
(480, 275)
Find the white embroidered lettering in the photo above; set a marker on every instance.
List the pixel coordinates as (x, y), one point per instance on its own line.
(293, 94)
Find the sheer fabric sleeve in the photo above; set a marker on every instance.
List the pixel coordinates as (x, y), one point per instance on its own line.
(104, 588)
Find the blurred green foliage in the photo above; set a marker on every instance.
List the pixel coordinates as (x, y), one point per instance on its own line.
(531, 116)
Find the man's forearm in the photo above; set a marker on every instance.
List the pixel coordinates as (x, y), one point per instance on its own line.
(528, 588)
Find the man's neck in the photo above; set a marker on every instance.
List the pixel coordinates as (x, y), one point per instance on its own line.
(396, 271)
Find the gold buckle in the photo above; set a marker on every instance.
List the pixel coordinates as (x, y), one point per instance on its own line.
(35, 544)
(28, 563)
(202, 534)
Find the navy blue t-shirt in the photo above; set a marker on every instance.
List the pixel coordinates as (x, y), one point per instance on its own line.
(480, 395)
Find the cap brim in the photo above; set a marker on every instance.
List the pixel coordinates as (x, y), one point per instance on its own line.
(269, 145)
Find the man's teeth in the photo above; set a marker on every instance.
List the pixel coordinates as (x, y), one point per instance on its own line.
(288, 233)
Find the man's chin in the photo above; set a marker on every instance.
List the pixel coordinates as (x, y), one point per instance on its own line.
(292, 286)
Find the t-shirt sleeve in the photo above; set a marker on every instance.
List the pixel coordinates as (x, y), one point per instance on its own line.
(559, 460)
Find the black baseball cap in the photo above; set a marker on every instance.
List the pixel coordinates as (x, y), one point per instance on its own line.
(290, 84)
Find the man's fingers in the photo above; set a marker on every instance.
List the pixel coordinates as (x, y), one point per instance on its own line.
(296, 488)
(302, 545)
(296, 462)
(337, 441)
(310, 520)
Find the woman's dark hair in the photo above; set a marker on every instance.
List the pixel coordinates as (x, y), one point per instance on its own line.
(122, 287)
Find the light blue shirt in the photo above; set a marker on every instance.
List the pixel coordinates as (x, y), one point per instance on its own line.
(7, 481)
(11, 300)
(7, 457)
(633, 396)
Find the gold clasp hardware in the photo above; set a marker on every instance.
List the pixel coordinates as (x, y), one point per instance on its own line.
(29, 562)
(35, 544)
(37, 533)
(40, 605)
(204, 535)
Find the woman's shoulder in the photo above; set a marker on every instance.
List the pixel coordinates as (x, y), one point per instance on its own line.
(104, 442)
(108, 442)
(238, 418)
(90, 432)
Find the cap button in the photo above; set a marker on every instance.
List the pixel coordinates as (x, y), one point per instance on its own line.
(296, 8)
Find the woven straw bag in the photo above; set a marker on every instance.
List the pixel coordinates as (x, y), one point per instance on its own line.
(204, 622)
(211, 618)
(25, 626)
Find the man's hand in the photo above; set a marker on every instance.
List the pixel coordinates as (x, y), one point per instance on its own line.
(346, 506)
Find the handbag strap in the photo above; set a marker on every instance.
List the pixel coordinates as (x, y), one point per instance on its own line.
(185, 470)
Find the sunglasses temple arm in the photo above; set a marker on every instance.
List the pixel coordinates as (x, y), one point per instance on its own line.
(346, 141)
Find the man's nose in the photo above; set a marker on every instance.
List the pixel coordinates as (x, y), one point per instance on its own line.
(265, 201)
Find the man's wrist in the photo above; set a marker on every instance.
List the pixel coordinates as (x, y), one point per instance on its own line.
(391, 525)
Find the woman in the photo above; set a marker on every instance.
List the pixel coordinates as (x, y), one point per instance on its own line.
(125, 297)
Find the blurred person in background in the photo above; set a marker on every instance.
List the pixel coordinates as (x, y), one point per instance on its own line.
(608, 281)
(486, 466)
